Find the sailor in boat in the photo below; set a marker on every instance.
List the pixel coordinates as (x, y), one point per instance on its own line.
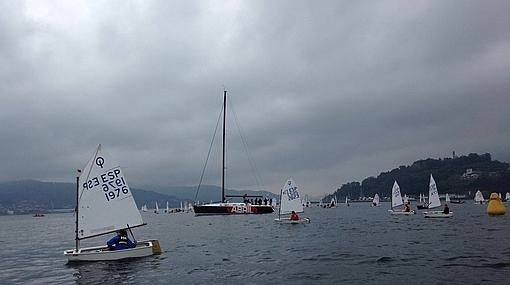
(120, 241)
(446, 210)
(294, 216)
(407, 208)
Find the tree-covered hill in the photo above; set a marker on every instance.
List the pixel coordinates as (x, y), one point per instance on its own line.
(458, 175)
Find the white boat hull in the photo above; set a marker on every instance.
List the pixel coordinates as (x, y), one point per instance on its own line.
(289, 221)
(437, 214)
(102, 253)
(395, 213)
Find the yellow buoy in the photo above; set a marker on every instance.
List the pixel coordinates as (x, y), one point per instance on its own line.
(495, 206)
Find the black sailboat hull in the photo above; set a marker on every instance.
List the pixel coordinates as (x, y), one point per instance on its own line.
(231, 209)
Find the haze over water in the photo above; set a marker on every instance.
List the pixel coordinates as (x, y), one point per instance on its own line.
(352, 245)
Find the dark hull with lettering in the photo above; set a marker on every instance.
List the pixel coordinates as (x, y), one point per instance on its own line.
(231, 209)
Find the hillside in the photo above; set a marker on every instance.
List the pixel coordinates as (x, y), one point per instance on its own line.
(31, 196)
(459, 175)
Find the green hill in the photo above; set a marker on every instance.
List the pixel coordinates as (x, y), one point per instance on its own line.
(452, 175)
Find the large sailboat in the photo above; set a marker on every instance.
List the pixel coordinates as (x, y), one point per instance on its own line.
(104, 205)
(225, 207)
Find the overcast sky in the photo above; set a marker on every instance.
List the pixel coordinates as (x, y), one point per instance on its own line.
(328, 92)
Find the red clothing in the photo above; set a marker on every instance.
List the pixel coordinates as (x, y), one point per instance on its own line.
(294, 217)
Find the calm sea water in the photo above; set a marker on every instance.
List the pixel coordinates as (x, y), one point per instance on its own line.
(350, 245)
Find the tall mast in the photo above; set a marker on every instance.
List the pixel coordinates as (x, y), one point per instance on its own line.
(76, 211)
(280, 208)
(223, 143)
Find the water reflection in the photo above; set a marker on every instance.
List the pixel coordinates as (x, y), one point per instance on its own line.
(113, 272)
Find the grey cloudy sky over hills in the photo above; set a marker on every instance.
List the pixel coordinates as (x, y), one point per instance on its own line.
(327, 92)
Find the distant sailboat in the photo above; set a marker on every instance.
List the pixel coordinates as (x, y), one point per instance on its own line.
(396, 200)
(167, 210)
(479, 197)
(507, 196)
(347, 201)
(290, 202)
(332, 204)
(434, 202)
(447, 198)
(376, 201)
(144, 208)
(156, 211)
(104, 204)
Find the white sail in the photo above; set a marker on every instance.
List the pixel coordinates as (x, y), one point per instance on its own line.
(105, 203)
(289, 199)
(332, 204)
(144, 208)
(396, 197)
(167, 209)
(507, 196)
(447, 198)
(479, 196)
(346, 200)
(376, 200)
(157, 208)
(433, 194)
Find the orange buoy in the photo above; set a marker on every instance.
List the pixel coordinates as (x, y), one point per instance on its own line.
(495, 207)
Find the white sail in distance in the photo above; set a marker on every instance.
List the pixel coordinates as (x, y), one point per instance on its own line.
(376, 200)
(433, 194)
(105, 203)
(479, 196)
(396, 197)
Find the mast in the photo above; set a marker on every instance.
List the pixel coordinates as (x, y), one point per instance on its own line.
(223, 144)
(280, 208)
(77, 241)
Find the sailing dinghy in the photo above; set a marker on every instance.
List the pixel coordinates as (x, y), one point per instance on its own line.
(396, 200)
(376, 201)
(104, 205)
(479, 197)
(290, 201)
(434, 202)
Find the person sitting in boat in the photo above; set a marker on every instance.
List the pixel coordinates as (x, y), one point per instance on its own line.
(294, 216)
(120, 241)
(446, 210)
(407, 208)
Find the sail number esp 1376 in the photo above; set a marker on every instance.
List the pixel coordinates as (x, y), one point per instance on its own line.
(112, 182)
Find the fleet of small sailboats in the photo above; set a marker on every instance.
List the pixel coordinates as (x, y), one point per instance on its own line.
(104, 205)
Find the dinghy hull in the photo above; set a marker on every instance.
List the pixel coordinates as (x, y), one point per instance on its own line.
(231, 209)
(292, 222)
(401, 213)
(437, 214)
(102, 253)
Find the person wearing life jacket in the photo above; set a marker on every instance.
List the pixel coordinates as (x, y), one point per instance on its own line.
(407, 208)
(120, 241)
(446, 210)
(294, 216)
